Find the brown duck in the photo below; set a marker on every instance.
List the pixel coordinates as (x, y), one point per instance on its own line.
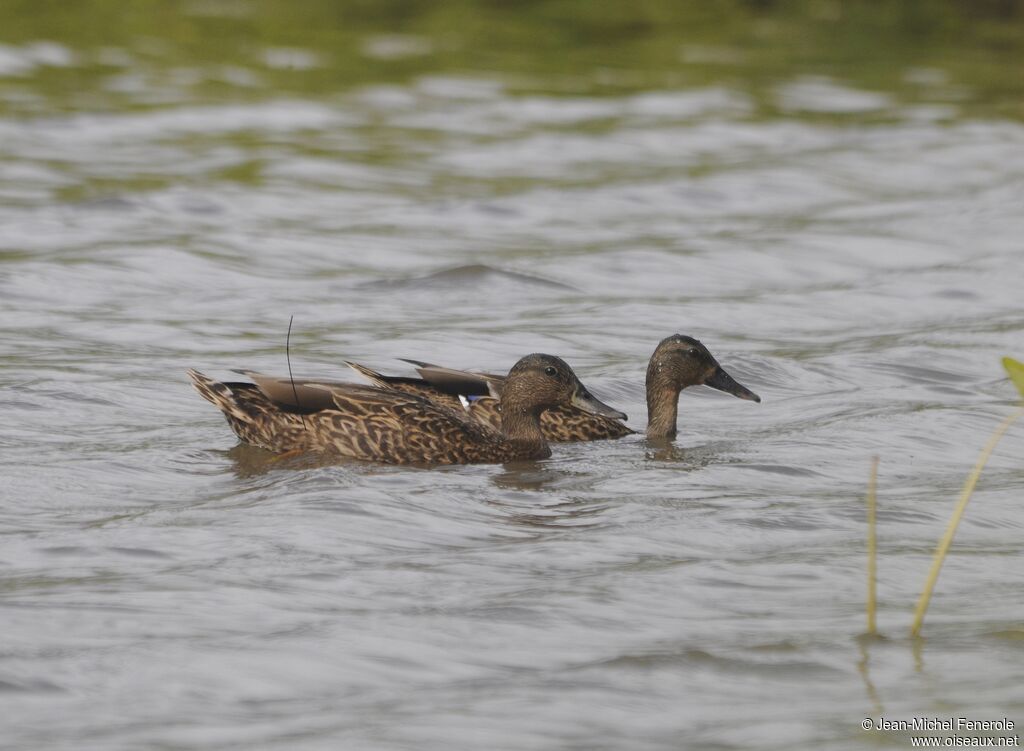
(398, 427)
(678, 361)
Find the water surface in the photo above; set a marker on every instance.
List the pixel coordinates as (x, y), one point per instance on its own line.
(831, 203)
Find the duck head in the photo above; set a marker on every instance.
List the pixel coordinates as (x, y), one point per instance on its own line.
(683, 361)
(538, 382)
(680, 361)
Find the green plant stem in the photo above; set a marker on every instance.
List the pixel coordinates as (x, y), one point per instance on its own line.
(954, 522)
(872, 500)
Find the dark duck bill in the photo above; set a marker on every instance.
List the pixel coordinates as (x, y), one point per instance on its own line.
(586, 401)
(722, 381)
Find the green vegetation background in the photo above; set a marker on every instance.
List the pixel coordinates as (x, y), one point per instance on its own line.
(555, 46)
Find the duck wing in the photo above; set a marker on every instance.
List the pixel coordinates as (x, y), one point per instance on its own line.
(300, 395)
(458, 382)
(416, 386)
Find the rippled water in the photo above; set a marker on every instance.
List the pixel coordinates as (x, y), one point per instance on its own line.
(854, 255)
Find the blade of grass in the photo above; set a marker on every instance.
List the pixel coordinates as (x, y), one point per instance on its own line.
(872, 500)
(954, 522)
(1016, 372)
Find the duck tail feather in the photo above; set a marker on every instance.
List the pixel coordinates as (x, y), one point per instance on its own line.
(370, 375)
(218, 394)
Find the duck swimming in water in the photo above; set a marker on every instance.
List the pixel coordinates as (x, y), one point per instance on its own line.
(388, 425)
(678, 362)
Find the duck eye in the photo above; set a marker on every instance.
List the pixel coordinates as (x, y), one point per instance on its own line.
(549, 370)
(692, 351)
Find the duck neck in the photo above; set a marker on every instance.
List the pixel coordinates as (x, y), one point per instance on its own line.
(662, 403)
(522, 426)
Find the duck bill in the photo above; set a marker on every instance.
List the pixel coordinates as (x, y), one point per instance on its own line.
(584, 400)
(724, 382)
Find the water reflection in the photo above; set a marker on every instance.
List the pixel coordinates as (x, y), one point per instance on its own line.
(686, 457)
(864, 642)
(534, 494)
(528, 475)
(250, 461)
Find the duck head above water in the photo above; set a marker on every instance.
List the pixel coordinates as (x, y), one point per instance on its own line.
(539, 382)
(680, 361)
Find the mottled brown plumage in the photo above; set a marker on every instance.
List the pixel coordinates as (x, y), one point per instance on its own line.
(678, 362)
(480, 399)
(391, 426)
